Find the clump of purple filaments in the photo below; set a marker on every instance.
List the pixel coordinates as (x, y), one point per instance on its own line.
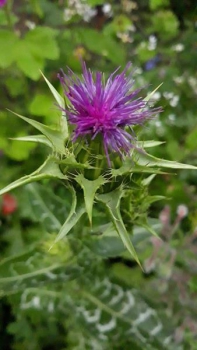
(2, 2)
(105, 108)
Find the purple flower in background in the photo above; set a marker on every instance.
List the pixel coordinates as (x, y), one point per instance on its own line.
(151, 64)
(105, 108)
(2, 2)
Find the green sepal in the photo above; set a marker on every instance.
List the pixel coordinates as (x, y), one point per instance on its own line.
(129, 167)
(112, 203)
(147, 160)
(76, 211)
(150, 229)
(148, 180)
(49, 169)
(149, 144)
(148, 97)
(55, 93)
(34, 138)
(61, 103)
(56, 137)
(89, 189)
(152, 199)
(71, 161)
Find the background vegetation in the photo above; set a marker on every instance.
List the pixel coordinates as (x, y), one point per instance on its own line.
(47, 301)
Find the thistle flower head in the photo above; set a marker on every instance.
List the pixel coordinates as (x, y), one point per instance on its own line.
(105, 108)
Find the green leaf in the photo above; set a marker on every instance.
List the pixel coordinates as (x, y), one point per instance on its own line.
(39, 203)
(42, 105)
(29, 64)
(41, 42)
(49, 169)
(143, 52)
(16, 85)
(193, 284)
(89, 188)
(39, 197)
(105, 242)
(25, 273)
(34, 267)
(112, 202)
(4, 20)
(55, 136)
(123, 316)
(103, 45)
(95, 2)
(191, 139)
(76, 211)
(155, 4)
(165, 24)
(122, 273)
(8, 43)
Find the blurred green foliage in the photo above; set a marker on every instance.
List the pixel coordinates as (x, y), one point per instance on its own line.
(64, 297)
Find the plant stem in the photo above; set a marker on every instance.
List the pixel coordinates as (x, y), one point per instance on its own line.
(8, 17)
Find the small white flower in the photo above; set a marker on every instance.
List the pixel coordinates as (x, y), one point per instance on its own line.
(179, 47)
(172, 117)
(152, 42)
(107, 9)
(156, 96)
(178, 80)
(174, 101)
(182, 211)
(31, 25)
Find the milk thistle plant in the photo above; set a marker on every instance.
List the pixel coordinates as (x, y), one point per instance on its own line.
(96, 154)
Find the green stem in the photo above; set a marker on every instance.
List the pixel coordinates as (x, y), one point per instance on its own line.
(8, 16)
(47, 292)
(31, 274)
(100, 305)
(98, 165)
(100, 162)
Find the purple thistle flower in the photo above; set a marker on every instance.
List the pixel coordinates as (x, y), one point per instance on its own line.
(2, 2)
(103, 108)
